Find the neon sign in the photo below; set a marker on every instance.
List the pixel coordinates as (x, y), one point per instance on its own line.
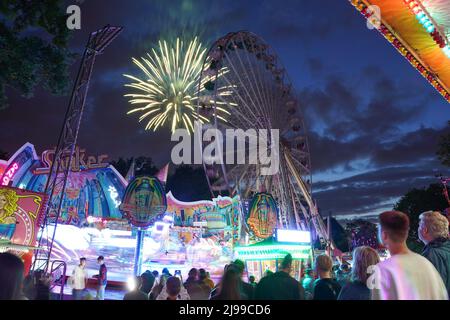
(7, 177)
(80, 161)
(296, 236)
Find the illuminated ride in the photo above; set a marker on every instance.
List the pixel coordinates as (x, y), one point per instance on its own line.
(261, 98)
(419, 30)
(94, 188)
(64, 153)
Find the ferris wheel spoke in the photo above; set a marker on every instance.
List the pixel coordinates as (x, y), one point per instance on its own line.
(263, 90)
(244, 87)
(241, 102)
(255, 97)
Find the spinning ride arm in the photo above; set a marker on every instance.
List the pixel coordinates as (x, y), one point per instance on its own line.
(59, 171)
(315, 215)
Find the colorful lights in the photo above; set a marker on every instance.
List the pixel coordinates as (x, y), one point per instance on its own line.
(447, 50)
(426, 21)
(397, 43)
(273, 252)
(296, 236)
(131, 284)
(91, 219)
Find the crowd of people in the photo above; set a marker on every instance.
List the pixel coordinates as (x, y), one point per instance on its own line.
(405, 275)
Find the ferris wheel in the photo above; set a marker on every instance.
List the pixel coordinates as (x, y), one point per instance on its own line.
(242, 75)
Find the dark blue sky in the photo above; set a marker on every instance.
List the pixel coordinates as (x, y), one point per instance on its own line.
(374, 121)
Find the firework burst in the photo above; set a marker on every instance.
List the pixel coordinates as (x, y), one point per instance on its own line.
(168, 92)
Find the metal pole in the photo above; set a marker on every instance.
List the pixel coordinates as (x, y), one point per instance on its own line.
(138, 253)
(329, 234)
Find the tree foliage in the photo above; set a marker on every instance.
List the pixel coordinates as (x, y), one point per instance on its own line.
(339, 236)
(188, 184)
(33, 47)
(362, 233)
(144, 166)
(416, 201)
(443, 151)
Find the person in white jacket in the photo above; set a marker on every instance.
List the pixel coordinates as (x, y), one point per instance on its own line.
(79, 280)
(405, 275)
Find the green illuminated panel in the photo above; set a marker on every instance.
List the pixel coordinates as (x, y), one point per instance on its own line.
(271, 252)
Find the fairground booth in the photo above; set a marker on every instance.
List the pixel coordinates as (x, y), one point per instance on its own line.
(268, 254)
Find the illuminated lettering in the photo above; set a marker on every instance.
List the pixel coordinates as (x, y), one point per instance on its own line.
(80, 161)
(114, 196)
(7, 177)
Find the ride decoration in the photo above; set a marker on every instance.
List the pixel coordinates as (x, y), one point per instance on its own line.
(262, 218)
(21, 214)
(144, 201)
(93, 189)
(418, 42)
(428, 23)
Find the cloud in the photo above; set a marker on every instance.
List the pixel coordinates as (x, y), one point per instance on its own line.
(372, 191)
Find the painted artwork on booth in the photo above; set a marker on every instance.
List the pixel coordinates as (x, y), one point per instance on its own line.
(21, 213)
(262, 218)
(144, 201)
(94, 188)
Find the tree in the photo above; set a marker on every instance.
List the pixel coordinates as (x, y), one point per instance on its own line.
(188, 184)
(416, 201)
(33, 47)
(339, 236)
(122, 165)
(443, 151)
(144, 166)
(362, 233)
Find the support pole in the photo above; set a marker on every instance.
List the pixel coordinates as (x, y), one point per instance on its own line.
(138, 253)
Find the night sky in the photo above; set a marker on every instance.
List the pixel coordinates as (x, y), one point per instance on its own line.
(373, 121)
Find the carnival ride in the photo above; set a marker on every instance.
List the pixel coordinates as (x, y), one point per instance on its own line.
(419, 30)
(261, 99)
(57, 177)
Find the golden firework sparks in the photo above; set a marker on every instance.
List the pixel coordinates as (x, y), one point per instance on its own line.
(168, 92)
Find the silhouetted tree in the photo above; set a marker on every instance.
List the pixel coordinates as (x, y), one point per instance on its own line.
(443, 152)
(188, 184)
(362, 233)
(144, 166)
(339, 235)
(416, 201)
(33, 58)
